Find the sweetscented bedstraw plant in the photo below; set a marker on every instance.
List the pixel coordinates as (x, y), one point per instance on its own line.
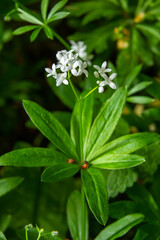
(86, 148)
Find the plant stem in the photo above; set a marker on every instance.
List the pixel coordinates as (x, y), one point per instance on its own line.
(83, 214)
(73, 89)
(62, 40)
(89, 93)
(26, 233)
(83, 210)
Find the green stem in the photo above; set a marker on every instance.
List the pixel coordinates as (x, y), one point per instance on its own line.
(89, 93)
(73, 89)
(83, 210)
(62, 40)
(26, 233)
(83, 214)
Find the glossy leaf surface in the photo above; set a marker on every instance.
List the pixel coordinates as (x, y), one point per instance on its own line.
(106, 121)
(96, 193)
(74, 216)
(117, 161)
(51, 128)
(120, 227)
(32, 157)
(59, 171)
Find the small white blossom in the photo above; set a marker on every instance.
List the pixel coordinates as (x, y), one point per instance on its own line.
(79, 67)
(80, 48)
(69, 62)
(61, 78)
(107, 80)
(102, 70)
(51, 72)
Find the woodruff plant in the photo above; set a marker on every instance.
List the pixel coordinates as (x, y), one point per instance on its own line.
(86, 149)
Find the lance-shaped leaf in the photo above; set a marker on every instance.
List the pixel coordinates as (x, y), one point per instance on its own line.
(59, 171)
(44, 7)
(120, 227)
(32, 157)
(24, 29)
(7, 184)
(28, 17)
(106, 121)
(84, 110)
(140, 99)
(35, 33)
(96, 193)
(140, 86)
(57, 16)
(127, 144)
(74, 217)
(50, 128)
(56, 8)
(2, 237)
(117, 161)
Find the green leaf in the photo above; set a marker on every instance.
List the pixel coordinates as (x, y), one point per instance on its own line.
(5, 220)
(57, 16)
(34, 34)
(124, 4)
(140, 86)
(74, 217)
(49, 32)
(44, 7)
(127, 144)
(105, 122)
(132, 75)
(96, 193)
(24, 29)
(120, 227)
(7, 184)
(118, 181)
(117, 161)
(50, 128)
(32, 157)
(2, 237)
(140, 99)
(28, 17)
(86, 107)
(59, 171)
(152, 30)
(56, 8)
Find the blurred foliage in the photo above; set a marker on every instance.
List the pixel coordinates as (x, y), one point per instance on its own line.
(126, 32)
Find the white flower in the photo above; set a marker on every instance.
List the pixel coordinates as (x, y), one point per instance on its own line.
(79, 67)
(80, 48)
(51, 72)
(61, 78)
(66, 60)
(102, 70)
(107, 81)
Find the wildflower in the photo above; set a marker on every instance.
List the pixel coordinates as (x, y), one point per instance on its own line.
(102, 70)
(61, 78)
(101, 74)
(68, 61)
(79, 67)
(51, 72)
(80, 48)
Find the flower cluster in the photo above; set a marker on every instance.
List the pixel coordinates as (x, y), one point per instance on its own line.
(101, 74)
(68, 61)
(75, 62)
(80, 48)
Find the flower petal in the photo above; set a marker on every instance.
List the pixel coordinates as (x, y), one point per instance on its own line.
(112, 85)
(101, 89)
(112, 76)
(104, 65)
